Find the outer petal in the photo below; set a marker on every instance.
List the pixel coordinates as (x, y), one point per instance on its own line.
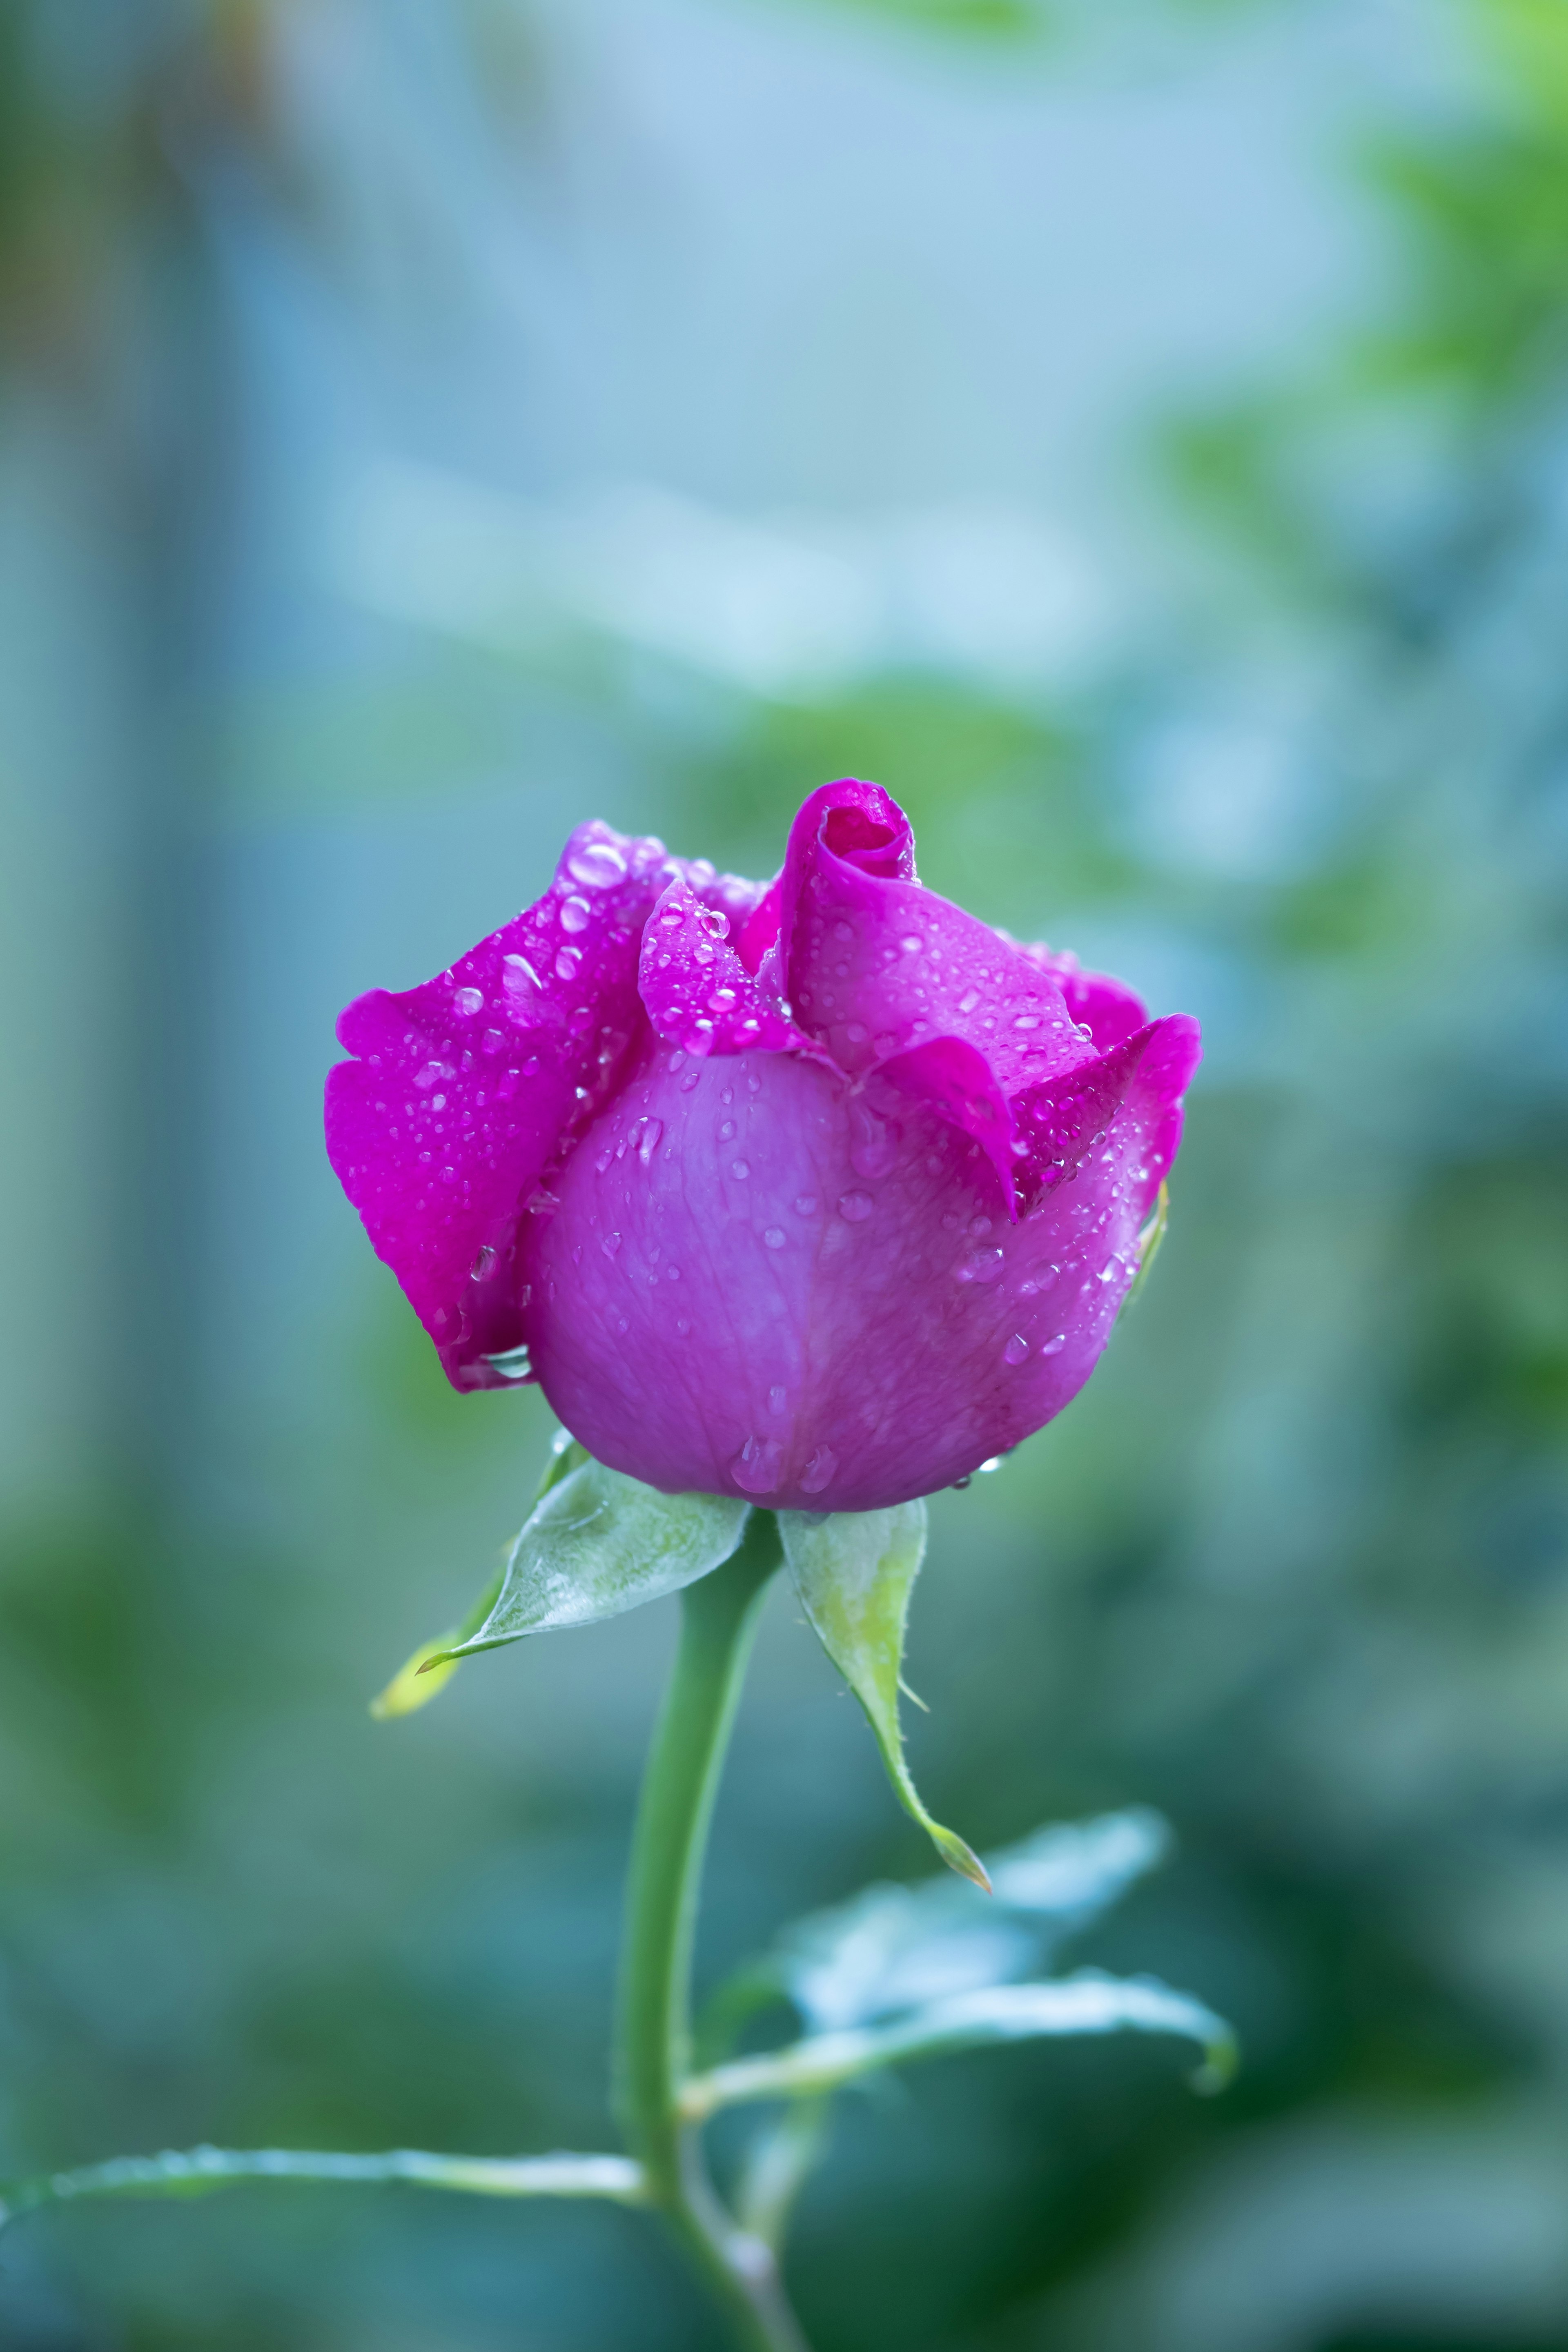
(1107, 1008)
(466, 1087)
(698, 992)
(739, 1306)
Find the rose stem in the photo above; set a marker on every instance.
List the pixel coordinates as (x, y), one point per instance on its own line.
(718, 1624)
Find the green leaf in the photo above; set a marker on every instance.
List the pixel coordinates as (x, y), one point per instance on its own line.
(854, 1572)
(432, 1666)
(597, 1544)
(1149, 1241)
(1090, 2003)
(893, 1950)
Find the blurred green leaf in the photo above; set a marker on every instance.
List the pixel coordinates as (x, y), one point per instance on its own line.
(597, 1544)
(891, 1949)
(1090, 2003)
(854, 1572)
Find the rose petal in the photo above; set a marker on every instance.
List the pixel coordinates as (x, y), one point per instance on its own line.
(697, 991)
(872, 963)
(464, 1088)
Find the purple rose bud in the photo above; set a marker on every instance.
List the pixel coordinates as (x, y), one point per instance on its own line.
(822, 1192)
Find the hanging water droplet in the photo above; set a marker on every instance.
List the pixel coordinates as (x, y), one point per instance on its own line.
(597, 864)
(512, 1364)
(1017, 1350)
(819, 1472)
(855, 1207)
(757, 1465)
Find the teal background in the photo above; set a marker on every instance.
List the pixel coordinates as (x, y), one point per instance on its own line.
(1135, 435)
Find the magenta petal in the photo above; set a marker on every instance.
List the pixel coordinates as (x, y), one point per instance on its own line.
(958, 1081)
(464, 1088)
(697, 991)
(875, 963)
(1107, 1008)
(757, 1282)
(1064, 1123)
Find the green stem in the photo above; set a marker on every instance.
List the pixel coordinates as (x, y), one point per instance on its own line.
(719, 1621)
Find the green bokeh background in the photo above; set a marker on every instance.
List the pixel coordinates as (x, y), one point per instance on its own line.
(423, 426)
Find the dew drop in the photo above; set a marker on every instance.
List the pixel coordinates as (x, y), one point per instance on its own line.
(774, 1237)
(969, 1000)
(805, 1204)
(1053, 1346)
(980, 1265)
(566, 963)
(485, 1263)
(757, 1465)
(575, 915)
(856, 1207)
(468, 1002)
(512, 1364)
(597, 866)
(652, 1130)
(1017, 1350)
(741, 1168)
(610, 1245)
(777, 1398)
(912, 943)
(819, 1472)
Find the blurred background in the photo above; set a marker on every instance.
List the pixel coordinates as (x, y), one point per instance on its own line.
(1136, 433)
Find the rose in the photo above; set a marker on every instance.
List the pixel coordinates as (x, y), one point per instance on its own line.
(821, 1192)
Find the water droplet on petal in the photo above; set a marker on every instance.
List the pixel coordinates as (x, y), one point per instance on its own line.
(575, 915)
(597, 866)
(818, 1471)
(774, 1237)
(566, 963)
(485, 1264)
(512, 1364)
(610, 1245)
(757, 1466)
(1017, 1350)
(805, 1204)
(741, 1168)
(777, 1398)
(1053, 1346)
(980, 1266)
(856, 1207)
(468, 1002)
(652, 1130)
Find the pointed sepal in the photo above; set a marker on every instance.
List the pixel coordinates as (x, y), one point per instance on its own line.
(599, 1543)
(433, 1664)
(854, 1572)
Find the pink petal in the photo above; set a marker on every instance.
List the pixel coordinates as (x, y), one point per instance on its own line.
(698, 991)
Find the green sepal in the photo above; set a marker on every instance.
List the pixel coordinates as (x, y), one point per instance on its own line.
(432, 1666)
(599, 1543)
(854, 1572)
(1149, 1241)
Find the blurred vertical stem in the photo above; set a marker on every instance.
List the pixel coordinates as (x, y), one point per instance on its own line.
(718, 1622)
